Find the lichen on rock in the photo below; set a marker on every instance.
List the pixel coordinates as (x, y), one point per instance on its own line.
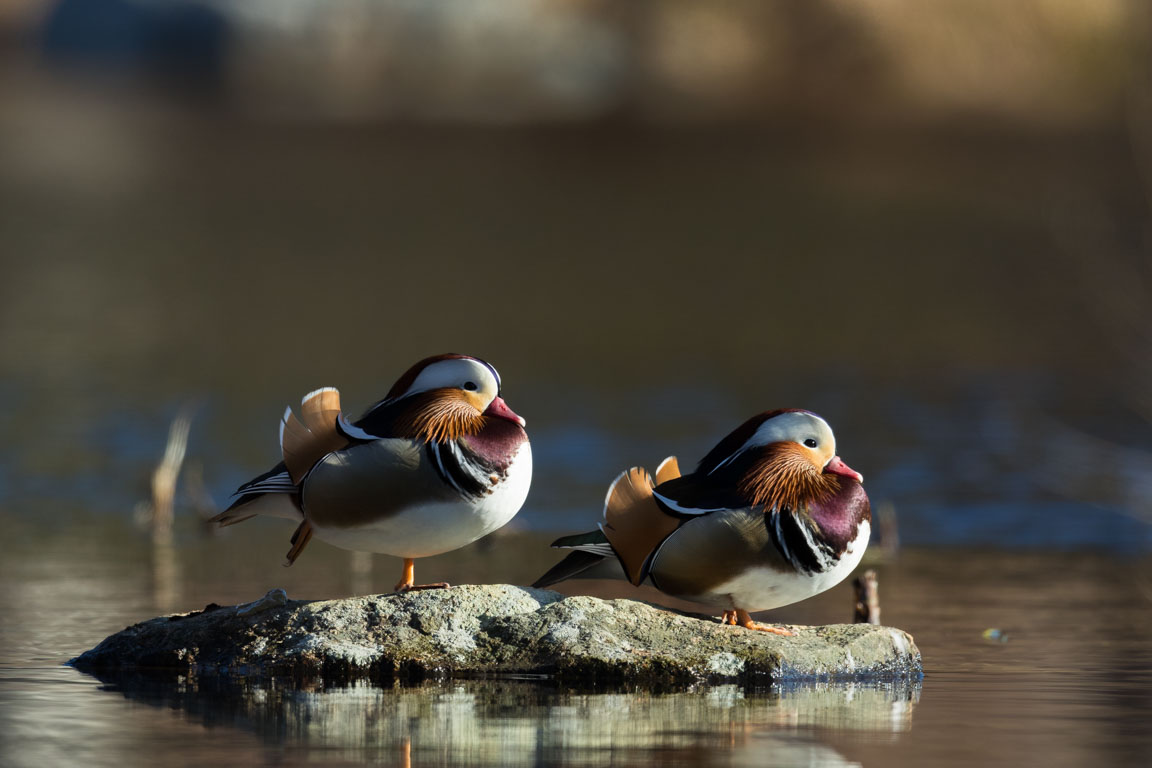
(470, 631)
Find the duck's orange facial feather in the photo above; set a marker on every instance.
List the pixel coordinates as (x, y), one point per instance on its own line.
(441, 415)
(787, 477)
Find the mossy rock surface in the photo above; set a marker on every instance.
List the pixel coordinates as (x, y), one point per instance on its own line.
(471, 631)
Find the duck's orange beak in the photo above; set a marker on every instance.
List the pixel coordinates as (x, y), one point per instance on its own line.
(836, 466)
(500, 410)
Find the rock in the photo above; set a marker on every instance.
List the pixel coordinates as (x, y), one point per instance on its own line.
(471, 631)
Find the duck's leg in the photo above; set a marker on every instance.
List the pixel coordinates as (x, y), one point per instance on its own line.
(300, 540)
(408, 581)
(729, 617)
(744, 619)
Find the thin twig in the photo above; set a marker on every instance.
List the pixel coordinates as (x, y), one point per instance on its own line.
(867, 588)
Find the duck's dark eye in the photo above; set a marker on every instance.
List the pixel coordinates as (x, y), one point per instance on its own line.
(810, 443)
(470, 386)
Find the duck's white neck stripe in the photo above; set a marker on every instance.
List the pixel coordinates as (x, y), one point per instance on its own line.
(683, 510)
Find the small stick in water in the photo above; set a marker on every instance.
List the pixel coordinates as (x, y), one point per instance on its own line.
(867, 598)
(165, 475)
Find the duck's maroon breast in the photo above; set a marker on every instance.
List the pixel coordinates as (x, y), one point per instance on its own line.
(839, 517)
(496, 444)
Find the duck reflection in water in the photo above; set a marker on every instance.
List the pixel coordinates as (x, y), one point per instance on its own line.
(519, 723)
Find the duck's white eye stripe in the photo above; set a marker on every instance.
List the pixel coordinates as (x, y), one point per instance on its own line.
(453, 373)
(494, 374)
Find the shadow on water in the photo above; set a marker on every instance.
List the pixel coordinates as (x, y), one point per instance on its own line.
(510, 723)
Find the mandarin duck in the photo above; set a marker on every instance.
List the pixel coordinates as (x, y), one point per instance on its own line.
(439, 462)
(771, 516)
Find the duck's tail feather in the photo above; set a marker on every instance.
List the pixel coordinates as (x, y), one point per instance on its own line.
(303, 442)
(591, 549)
(593, 542)
(669, 469)
(634, 523)
(576, 563)
(272, 494)
(634, 527)
(307, 440)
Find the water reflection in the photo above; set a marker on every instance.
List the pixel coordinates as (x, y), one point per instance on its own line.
(511, 723)
(1078, 654)
(166, 579)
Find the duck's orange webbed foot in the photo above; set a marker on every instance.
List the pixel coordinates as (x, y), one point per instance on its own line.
(744, 619)
(408, 581)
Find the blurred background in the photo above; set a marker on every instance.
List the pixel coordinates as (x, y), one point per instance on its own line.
(928, 222)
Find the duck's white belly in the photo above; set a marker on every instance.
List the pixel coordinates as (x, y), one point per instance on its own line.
(431, 529)
(762, 588)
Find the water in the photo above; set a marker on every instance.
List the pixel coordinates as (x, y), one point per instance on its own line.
(967, 310)
(1067, 681)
